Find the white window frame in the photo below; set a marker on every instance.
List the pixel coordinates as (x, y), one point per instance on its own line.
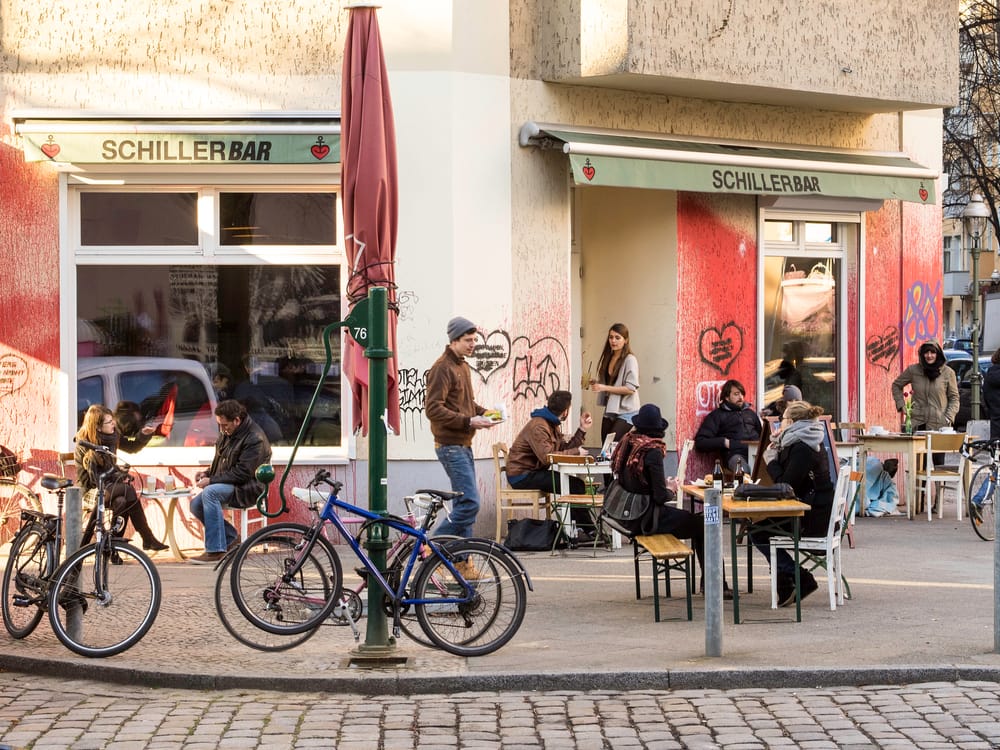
(818, 250)
(209, 251)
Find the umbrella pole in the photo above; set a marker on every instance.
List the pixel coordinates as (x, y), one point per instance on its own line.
(378, 353)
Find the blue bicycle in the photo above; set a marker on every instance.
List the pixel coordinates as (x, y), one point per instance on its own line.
(468, 595)
(982, 491)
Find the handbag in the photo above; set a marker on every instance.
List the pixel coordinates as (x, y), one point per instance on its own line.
(630, 513)
(780, 491)
(807, 300)
(530, 534)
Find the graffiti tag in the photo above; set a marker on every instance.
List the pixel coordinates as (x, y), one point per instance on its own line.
(13, 374)
(920, 315)
(719, 347)
(882, 348)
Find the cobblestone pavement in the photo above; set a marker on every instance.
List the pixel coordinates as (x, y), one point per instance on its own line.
(48, 713)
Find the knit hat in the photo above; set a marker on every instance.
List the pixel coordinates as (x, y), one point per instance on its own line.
(458, 327)
(649, 418)
(791, 393)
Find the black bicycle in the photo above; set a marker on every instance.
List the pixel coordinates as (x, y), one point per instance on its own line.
(102, 599)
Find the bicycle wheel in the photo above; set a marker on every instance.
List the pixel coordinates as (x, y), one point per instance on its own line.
(242, 629)
(116, 592)
(274, 598)
(407, 612)
(14, 498)
(982, 508)
(24, 580)
(494, 613)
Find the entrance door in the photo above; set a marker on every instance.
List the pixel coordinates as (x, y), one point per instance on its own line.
(804, 338)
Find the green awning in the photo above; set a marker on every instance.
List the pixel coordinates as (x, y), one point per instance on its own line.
(646, 160)
(187, 141)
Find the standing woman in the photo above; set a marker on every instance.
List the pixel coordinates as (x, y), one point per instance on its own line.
(119, 496)
(617, 385)
(934, 388)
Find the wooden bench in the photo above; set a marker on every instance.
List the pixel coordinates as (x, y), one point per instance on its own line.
(668, 553)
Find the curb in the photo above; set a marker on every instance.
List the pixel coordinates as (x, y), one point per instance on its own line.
(368, 682)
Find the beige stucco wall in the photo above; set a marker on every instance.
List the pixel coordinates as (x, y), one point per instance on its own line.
(851, 54)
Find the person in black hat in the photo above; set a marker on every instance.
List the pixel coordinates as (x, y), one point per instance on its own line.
(637, 464)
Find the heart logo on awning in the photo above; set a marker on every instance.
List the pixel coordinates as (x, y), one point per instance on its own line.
(923, 194)
(588, 170)
(320, 151)
(51, 150)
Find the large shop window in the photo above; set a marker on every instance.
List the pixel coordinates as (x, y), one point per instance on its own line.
(173, 338)
(803, 331)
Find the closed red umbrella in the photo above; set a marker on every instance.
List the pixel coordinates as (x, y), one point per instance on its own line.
(370, 197)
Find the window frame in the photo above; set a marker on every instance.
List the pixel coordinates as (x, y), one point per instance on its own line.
(208, 252)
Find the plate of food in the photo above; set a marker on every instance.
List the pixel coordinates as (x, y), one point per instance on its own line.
(699, 482)
(493, 415)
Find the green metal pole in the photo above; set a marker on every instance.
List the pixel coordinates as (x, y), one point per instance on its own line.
(378, 352)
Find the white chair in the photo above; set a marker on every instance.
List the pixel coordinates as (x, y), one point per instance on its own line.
(928, 475)
(822, 551)
(682, 461)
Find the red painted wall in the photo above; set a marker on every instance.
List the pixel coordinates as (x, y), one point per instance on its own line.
(717, 292)
(29, 308)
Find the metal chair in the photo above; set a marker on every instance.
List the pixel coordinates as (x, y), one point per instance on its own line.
(563, 504)
(509, 499)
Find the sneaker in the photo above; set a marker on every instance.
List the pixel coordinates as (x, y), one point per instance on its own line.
(154, 545)
(786, 589)
(976, 512)
(207, 558)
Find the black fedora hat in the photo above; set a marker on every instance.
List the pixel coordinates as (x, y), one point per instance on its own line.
(649, 418)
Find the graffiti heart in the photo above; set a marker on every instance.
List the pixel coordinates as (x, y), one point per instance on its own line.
(719, 347)
(490, 355)
(882, 348)
(13, 374)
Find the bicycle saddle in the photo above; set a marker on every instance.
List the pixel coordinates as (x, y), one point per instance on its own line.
(52, 483)
(444, 495)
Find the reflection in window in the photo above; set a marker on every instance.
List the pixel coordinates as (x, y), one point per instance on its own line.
(824, 232)
(278, 218)
(801, 339)
(118, 219)
(248, 332)
(779, 231)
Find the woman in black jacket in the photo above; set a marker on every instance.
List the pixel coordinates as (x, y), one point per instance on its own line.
(99, 427)
(637, 464)
(991, 395)
(798, 457)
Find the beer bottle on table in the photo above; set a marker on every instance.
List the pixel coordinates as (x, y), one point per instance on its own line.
(717, 475)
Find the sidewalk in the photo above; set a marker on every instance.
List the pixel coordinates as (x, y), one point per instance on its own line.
(922, 610)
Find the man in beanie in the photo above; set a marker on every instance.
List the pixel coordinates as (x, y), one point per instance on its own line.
(777, 407)
(455, 416)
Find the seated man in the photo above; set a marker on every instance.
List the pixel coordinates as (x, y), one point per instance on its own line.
(527, 459)
(240, 449)
(726, 428)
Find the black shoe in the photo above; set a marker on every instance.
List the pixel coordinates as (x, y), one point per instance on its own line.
(154, 545)
(727, 593)
(786, 589)
(233, 545)
(807, 583)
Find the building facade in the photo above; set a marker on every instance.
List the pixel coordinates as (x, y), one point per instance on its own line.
(740, 184)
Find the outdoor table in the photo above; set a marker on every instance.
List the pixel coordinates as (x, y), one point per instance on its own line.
(173, 496)
(598, 468)
(895, 443)
(765, 514)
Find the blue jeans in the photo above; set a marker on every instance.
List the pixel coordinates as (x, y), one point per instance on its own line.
(207, 508)
(461, 470)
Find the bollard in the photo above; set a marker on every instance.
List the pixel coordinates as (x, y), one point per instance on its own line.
(996, 573)
(713, 572)
(72, 533)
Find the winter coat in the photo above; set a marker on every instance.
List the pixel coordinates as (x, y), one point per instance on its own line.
(449, 401)
(991, 399)
(728, 422)
(237, 457)
(808, 471)
(935, 402)
(536, 440)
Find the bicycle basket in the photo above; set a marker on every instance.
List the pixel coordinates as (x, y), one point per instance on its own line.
(10, 464)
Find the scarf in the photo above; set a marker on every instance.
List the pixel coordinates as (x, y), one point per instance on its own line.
(810, 432)
(630, 455)
(547, 414)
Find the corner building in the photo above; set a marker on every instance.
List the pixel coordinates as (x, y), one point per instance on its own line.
(739, 183)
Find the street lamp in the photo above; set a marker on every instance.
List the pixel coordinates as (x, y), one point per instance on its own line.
(974, 216)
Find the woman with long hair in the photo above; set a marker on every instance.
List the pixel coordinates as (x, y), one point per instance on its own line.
(617, 383)
(99, 427)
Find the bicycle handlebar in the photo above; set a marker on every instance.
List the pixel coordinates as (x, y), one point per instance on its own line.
(118, 464)
(979, 445)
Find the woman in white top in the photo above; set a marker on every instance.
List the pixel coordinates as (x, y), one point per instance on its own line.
(617, 385)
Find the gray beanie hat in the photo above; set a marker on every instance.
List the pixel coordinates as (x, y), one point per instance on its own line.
(458, 327)
(791, 393)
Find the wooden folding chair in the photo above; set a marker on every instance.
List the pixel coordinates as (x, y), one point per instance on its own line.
(510, 500)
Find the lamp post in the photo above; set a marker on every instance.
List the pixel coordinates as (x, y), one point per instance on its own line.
(974, 216)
